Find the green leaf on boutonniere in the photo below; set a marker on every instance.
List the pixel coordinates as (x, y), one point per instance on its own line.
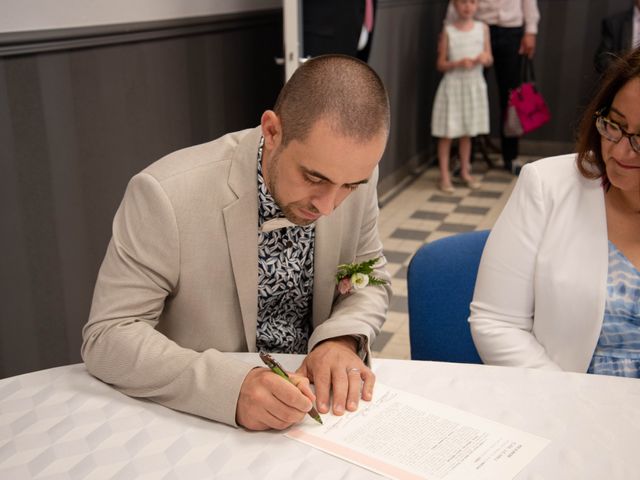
(348, 270)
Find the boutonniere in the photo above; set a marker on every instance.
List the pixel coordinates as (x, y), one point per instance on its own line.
(354, 276)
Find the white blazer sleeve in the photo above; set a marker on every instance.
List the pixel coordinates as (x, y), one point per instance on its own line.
(502, 310)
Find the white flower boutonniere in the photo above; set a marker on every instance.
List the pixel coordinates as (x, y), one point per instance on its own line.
(354, 276)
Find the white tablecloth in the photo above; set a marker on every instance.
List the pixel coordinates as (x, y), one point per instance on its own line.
(62, 423)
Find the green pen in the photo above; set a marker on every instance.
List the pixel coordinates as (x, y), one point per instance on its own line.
(275, 367)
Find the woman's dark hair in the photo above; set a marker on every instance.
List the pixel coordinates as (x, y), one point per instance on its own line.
(588, 144)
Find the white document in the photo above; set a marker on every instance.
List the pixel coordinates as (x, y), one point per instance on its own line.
(405, 436)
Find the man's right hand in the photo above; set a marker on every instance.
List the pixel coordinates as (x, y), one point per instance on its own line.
(268, 401)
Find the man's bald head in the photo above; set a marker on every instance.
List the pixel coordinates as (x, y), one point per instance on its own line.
(339, 89)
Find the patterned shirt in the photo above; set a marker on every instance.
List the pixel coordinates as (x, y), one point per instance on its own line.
(618, 348)
(285, 278)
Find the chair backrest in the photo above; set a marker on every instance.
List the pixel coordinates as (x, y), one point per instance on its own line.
(440, 282)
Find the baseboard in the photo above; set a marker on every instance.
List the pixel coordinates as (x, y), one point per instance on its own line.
(541, 148)
(394, 183)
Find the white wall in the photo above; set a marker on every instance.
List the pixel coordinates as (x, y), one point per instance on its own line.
(29, 15)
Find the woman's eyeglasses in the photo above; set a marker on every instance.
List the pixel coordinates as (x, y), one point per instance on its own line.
(614, 132)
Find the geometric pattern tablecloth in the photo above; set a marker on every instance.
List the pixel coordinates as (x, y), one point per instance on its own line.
(64, 424)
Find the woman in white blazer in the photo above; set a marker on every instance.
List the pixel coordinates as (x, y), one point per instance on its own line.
(559, 280)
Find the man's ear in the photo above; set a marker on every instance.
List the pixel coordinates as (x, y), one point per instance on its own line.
(271, 130)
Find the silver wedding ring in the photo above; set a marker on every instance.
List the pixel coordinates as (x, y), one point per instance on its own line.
(352, 370)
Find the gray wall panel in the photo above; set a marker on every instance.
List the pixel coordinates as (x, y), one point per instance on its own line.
(33, 199)
(75, 125)
(404, 53)
(16, 305)
(70, 239)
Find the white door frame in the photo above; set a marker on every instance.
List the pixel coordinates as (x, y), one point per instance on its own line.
(292, 36)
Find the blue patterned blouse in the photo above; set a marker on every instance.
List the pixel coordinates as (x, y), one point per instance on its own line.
(618, 349)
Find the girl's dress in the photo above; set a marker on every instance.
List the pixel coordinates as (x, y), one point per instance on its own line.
(461, 106)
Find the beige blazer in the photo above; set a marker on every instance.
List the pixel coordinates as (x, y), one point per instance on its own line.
(178, 284)
(541, 287)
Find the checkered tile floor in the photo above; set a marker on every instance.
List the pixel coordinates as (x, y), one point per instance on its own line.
(421, 214)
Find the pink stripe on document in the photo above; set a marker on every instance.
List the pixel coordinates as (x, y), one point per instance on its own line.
(353, 455)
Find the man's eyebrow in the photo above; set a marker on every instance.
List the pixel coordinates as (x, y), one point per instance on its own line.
(327, 179)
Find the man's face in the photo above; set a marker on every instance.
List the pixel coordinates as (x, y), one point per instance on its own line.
(310, 178)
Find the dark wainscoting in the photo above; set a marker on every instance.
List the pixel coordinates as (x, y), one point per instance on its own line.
(82, 111)
(404, 52)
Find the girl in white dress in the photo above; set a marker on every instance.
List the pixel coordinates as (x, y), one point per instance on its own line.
(461, 106)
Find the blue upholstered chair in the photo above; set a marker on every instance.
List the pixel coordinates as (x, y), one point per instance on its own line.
(440, 281)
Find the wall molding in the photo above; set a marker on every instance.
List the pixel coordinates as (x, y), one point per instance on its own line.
(26, 43)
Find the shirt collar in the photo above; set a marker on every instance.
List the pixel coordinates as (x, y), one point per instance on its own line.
(267, 206)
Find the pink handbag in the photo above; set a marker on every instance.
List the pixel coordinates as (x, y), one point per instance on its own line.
(526, 110)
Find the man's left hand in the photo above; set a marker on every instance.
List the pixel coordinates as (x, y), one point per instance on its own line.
(528, 45)
(334, 365)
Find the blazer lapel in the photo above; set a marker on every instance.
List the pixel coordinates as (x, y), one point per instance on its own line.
(325, 261)
(241, 223)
